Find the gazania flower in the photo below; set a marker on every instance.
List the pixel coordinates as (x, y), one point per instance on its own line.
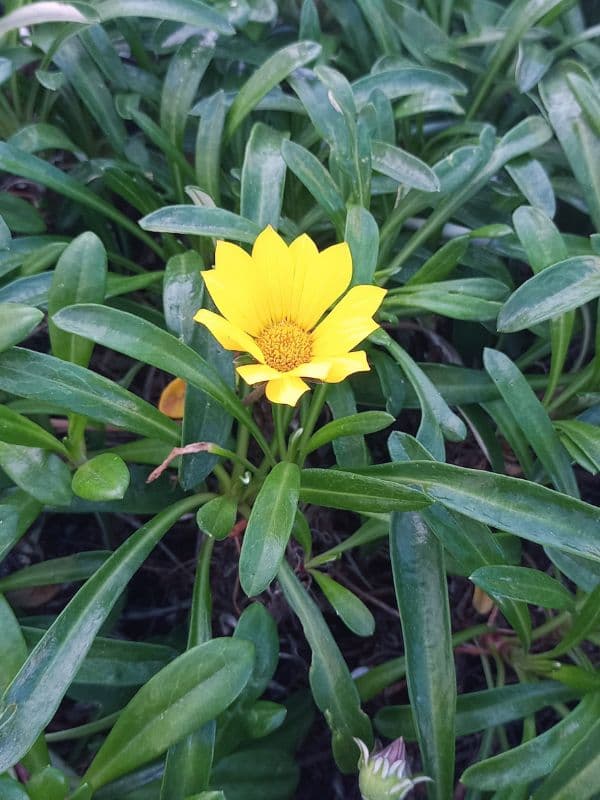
(273, 304)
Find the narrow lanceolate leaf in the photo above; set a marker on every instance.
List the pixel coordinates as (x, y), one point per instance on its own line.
(17, 429)
(578, 773)
(53, 663)
(354, 492)
(38, 13)
(139, 339)
(478, 711)
(198, 221)
(538, 757)
(532, 418)
(190, 12)
(332, 686)
(17, 322)
(77, 567)
(522, 583)
(309, 170)
(510, 504)
(269, 528)
(562, 287)
(351, 610)
(268, 75)
(367, 422)
(403, 167)
(578, 137)
(186, 694)
(39, 473)
(79, 277)
(263, 176)
(422, 594)
(36, 375)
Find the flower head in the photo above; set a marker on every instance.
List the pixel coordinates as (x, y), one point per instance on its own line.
(272, 306)
(385, 775)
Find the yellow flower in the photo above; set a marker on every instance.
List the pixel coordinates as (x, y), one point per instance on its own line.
(272, 303)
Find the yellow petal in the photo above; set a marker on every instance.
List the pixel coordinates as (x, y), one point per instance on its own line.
(348, 323)
(257, 373)
(320, 278)
(346, 365)
(274, 275)
(317, 369)
(232, 286)
(286, 390)
(229, 336)
(172, 399)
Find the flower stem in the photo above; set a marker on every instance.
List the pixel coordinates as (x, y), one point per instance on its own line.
(314, 410)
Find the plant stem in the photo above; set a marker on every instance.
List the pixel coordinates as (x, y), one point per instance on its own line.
(314, 410)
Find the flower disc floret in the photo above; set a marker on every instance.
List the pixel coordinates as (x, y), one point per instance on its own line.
(285, 346)
(281, 304)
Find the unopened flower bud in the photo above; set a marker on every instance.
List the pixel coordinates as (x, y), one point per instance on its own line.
(385, 775)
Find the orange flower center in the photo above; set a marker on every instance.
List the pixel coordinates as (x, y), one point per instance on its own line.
(285, 345)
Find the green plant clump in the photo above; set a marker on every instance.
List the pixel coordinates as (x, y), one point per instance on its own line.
(235, 549)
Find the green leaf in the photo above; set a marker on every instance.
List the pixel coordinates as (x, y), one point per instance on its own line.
(46, 378)
(309, 170)
(112, 663)
(215, 222)
(256, 625)
(469, 542)
(217, 517)
(38, 13)
(532, 418)
(189, 12)
(362, 235)
(10, 789)
(269, 528)
(403, 167)
(523, 583)
(54, 662)
(422, 595)
(271, 72)
(17, 429)
(577, 136)
(578, 772)
(16, 323)
(403, 81)
(473, 299)
(19, 215)
(352, 611)
(208, 145)
(184, 73)
(534, 183)
(263, 176)
(562, 287)
(366, 422)
(77, 567)
(139, 339)
(355, 492)
(510, 504)
(587, 619)
(189, 692)
(254, 774)
(18, 512)
(539, 756)
(582, 440)
(104, 477)
(88, 82)
(79, 277)
(331, 684)
(41, 474)
(478, 711)
(349, 451)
